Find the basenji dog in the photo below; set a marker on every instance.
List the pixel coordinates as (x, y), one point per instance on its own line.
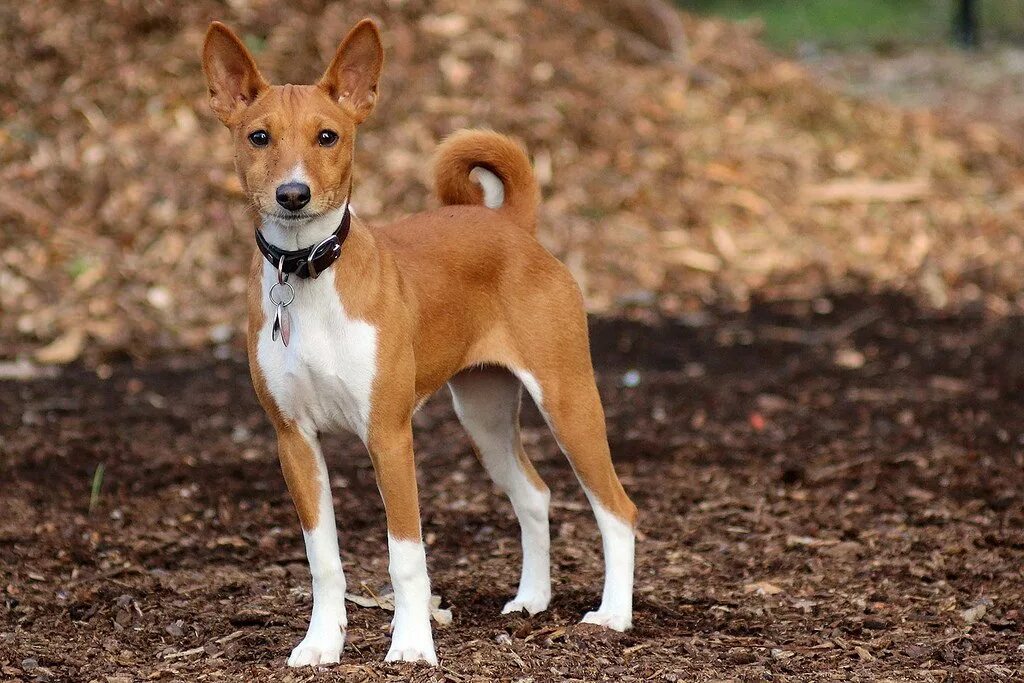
(351, 327)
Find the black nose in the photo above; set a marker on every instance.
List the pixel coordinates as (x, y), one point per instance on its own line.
(293, 196)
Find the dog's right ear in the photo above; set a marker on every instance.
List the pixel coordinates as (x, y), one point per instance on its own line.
(231, 73)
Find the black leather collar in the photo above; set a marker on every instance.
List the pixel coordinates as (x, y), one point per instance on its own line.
(311, 261)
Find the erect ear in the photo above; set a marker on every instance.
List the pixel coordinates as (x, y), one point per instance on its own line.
(352, 77)
(231, 73)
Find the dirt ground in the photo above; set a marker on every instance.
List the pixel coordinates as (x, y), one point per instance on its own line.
(829, 490)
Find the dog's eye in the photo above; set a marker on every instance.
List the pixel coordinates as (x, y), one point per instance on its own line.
(260, 138)
(327, 138)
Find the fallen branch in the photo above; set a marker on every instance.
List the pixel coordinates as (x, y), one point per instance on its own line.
(185, 653)
(867, 191)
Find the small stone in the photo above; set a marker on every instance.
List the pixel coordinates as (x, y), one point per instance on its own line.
(976, 612)
(851, 359)
(159, 297)
(220, 334)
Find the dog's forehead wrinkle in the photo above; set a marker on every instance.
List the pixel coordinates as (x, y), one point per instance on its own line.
(294, 96)
(302, 109)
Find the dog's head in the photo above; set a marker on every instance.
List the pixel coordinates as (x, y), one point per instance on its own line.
(293, 143)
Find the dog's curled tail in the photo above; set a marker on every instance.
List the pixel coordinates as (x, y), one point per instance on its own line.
(485, 167)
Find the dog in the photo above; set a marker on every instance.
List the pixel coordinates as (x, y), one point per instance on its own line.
(351, 327)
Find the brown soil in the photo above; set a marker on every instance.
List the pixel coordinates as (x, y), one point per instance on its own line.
(824, 495)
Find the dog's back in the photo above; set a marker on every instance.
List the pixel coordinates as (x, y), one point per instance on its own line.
(477, 278)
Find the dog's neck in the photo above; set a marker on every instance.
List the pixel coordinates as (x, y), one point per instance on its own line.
(300, 234)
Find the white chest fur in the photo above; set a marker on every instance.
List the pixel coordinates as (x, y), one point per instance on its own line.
(324, 377)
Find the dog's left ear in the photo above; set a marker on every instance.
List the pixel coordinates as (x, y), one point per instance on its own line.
(352, 77)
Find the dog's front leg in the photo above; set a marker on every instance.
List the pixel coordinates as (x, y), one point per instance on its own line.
(392, 455)
(306, 475)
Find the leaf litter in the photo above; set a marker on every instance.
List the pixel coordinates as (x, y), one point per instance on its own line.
(667, 185)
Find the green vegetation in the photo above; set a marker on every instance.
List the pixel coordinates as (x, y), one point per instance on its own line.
(845, 23)
(97, 486)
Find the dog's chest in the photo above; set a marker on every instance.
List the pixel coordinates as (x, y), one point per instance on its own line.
(324, 378)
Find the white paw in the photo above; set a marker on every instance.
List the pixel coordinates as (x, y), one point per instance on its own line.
(412, 647)
(533, 604)
(322, 647)
(612, 620)
(397, 653)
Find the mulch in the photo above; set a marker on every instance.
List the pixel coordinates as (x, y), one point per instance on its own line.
(829, 490)
(732, 177)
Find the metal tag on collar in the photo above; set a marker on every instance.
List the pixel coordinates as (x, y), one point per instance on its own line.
(281, 294)
(282, 325)
(326, 246)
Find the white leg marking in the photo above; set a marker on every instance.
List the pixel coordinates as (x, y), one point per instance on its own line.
(533, 388)
(531, 507)
(617, 541)
(494, 189)
(326, 635)
(488, 407)
(411, 639)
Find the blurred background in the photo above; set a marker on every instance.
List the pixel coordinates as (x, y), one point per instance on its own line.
(852, 24)
(800, 227)
(734, 151)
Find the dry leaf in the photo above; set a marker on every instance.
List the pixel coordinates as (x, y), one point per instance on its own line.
(64, 349)
(386, 601)
(762, 588)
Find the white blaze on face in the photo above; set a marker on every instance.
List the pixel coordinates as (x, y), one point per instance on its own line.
(296, 175)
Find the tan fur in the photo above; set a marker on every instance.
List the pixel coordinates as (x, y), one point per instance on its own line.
(353, 75)
(449, 289)
(232, 77)
(500, 154)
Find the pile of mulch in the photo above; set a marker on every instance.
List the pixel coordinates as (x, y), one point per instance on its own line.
(822, 497)
(665, 185)
(962, 85)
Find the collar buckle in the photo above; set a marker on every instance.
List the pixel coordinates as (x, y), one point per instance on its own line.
(326, 246)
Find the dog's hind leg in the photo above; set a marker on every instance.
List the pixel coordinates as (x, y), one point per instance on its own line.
(566, 394)
(487, 403)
